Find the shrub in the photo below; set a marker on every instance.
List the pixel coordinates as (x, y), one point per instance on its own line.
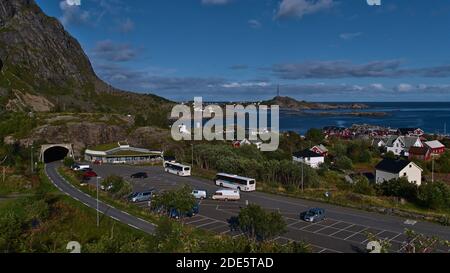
(363, 186)
(434, 195)
(69, 161)
(399, 188)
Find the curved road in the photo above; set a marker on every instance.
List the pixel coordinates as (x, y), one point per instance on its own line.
(105, 209)
(344, 230)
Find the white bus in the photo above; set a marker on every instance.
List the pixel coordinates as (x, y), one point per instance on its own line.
(235, 182)
(177, 168)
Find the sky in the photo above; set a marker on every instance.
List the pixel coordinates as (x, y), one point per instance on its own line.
(235, 50)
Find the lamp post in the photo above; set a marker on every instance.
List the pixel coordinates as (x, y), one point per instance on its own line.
(98, 215)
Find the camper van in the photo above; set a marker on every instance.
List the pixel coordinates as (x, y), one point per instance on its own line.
(227, 195)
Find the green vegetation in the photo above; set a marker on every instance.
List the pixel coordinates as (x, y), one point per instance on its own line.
(105, 147)
(117, 187)
(315, 135)
(69, 162)
(260, 225)
(180, 200)
(250, 162)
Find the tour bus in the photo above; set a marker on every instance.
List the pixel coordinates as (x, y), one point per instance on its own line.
(177, 168)
(227, 195)
(235, 182)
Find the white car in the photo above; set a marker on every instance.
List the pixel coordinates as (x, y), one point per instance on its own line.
(227, 195)
(199, 194)
(81, 167)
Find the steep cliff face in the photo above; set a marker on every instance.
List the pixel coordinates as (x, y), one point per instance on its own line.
(38, 57)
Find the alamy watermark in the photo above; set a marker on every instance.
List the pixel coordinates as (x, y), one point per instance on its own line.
(192, 126)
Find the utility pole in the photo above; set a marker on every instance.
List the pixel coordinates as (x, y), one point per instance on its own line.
(432, 169)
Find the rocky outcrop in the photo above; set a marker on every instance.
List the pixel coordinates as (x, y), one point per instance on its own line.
(288, 103)
(39, 58)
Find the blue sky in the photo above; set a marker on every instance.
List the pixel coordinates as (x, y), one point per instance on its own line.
(316, 50)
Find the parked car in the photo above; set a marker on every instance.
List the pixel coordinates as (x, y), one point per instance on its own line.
(97, 162)
(227, 195)
(139, 175)
(313, 215)
(90, 174)
(77, 167)
(87, 170)
(199, 194)
(174, 213)
(141, 196)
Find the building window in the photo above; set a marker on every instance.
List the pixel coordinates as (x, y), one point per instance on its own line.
(405, 174)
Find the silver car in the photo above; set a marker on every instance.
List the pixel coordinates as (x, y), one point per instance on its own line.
(314, 215)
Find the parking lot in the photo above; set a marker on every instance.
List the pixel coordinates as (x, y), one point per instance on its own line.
(333, 235)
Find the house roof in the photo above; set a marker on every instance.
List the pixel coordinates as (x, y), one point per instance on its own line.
(322, 148)
(306, 153)
(390, 141)
(419, 150)
(392, 165)
(436, 144)
(410, 141)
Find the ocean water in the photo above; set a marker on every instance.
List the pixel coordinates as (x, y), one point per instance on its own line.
(433, 117)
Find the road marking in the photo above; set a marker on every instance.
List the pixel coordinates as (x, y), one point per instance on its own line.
(202, 225)
(115, 218)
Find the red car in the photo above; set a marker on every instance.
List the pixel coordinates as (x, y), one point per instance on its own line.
(90, 174)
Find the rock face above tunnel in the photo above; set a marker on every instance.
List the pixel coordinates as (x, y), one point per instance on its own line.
(41, 58)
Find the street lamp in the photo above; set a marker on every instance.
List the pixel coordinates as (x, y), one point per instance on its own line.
(98, 216)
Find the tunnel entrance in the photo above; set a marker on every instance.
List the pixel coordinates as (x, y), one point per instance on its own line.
(55, 154)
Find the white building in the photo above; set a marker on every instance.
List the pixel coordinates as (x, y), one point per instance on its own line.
(390, 169)
(310, 158)
(400, 145)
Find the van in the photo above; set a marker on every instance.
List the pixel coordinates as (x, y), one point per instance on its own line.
(227, 195)
(199, 194)
(141, 196)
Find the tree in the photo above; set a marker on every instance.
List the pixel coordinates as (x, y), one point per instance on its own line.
(363, 186)
(344, 163)
(180, 200)
(399, 188)
(315, 135)
(260, 225)
(10, 229)
(116, 186)
(434, 195)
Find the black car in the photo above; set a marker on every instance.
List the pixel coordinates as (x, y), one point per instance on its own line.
(139, 175)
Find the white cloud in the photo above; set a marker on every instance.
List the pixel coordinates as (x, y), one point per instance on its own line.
(73, 2)
(215, 2)
(350, 36)
(404, 87)
(300, 8)
(72, 13)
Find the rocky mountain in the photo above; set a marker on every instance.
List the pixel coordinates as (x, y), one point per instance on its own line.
(288, 103)
(43, 68)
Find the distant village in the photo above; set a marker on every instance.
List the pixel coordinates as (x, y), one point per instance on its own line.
(405, 144)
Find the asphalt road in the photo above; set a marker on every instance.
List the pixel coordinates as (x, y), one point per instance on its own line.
(104, 209)
(343, 231)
